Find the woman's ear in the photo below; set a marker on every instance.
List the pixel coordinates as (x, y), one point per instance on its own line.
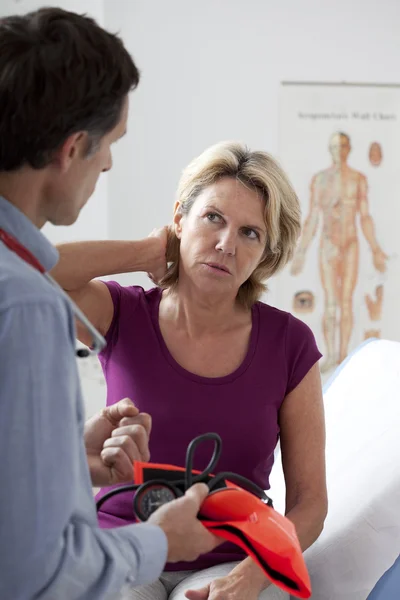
(177, 225)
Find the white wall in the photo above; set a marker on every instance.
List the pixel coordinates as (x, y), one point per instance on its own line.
(211, 70)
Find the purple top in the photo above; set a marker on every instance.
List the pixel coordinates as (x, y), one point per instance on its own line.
(241, 407)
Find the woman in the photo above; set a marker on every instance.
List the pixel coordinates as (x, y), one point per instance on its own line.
(200, 352)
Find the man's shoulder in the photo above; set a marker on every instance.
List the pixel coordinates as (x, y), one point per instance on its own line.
(20, 284)
(32, 310)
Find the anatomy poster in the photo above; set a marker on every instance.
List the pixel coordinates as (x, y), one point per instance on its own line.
(340, 145)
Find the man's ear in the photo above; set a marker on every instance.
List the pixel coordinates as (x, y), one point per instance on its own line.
(72, 148)
(177, 225)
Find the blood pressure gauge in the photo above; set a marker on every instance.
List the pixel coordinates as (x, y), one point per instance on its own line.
(151, 496)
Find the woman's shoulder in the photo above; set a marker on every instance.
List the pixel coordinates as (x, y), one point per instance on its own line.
(131, 293)
(293, 338)
(268, 310)
(295, 328)
(133, 307)
(131, 301)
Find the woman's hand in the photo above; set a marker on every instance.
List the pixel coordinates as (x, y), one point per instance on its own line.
(232, 587)
(114, 438)
(158, 266)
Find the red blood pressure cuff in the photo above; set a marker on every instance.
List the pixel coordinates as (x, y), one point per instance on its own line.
(264, 534)
(242, 518)
(144, 472)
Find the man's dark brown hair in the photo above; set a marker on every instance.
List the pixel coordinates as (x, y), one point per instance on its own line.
(60, 73)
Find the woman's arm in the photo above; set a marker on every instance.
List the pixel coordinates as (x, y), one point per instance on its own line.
(302, 425)
(82, 262)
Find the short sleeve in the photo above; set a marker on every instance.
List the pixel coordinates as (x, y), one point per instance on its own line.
(301, 352)
(122, 297)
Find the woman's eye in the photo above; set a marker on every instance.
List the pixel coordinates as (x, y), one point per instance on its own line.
(213, 217)
(250, 233)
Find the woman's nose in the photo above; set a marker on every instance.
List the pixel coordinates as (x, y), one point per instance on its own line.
(227, 243)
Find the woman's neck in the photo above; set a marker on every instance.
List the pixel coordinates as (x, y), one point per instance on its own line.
(202, 314)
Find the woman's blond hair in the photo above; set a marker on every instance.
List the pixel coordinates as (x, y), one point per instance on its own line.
(258, 171)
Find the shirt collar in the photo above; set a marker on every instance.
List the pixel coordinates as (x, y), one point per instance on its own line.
(15, 223)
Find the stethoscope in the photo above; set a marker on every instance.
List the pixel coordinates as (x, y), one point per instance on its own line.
(154, 493)
(98, 342)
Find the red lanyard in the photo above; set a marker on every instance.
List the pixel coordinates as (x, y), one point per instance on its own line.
(20, 250)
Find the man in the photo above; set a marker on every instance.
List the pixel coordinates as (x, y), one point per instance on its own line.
(64, 85)
(340, 194)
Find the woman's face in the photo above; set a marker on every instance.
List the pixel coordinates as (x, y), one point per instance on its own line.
(223, 237)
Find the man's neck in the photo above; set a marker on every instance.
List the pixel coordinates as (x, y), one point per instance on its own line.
(22, 188)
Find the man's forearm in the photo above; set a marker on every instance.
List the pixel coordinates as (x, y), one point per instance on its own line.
(80, 262)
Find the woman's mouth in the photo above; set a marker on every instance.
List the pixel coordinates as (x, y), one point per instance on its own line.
(218, 268)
